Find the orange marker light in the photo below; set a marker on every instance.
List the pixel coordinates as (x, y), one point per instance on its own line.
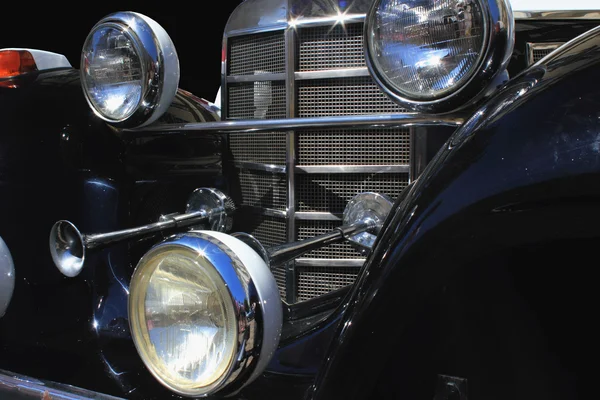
(16, 62)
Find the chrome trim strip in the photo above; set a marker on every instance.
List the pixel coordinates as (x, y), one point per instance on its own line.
(290, 66)
(317, 216)
(355, 121)
(530, 47)
(350, 169)
(333, 20)
(24, 387)
(555, 14)
(332, 73)
(418, 152)
(271, 212)
(260, 167)
(253, 31)
(256, 78)
(322, 262)
(224, 89)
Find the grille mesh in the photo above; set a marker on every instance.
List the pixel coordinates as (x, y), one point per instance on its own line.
(265, 148)
(317, 281)
(331, 192)
(325, 47)
(355, 147)
(537, 53)
(308, 229)
(263, 53)
(263, 189)
(342, 96)
(260, 100)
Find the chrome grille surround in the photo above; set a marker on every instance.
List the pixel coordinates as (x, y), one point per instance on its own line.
(324, 167)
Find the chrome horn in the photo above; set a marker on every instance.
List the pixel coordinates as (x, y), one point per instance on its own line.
(363, 218)
(206, 206)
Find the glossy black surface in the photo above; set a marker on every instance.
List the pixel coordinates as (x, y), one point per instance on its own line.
(539, 31)
(58, 161)
(483, 271)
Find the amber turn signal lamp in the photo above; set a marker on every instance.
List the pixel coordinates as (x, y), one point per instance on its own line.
(16, 62)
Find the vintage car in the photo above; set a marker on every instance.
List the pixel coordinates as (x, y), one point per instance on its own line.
(389, 199)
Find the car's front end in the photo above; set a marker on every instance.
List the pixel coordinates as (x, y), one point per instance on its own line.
(198, 250)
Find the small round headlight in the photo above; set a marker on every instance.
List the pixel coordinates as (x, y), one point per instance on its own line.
(129, 69)
(425, 52)
(199, 304)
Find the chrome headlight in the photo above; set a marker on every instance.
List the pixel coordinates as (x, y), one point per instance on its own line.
(436, 55)
(205, 313)
(129, 69)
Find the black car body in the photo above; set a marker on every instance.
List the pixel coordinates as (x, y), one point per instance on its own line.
(478, 285)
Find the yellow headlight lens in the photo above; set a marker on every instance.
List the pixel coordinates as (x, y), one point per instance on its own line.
(183, 319)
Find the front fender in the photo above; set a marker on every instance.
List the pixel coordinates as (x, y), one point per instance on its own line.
(480, 271)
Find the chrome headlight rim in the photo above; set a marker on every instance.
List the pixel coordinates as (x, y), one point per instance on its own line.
(159, 65)
(497, 49)
(251, 307)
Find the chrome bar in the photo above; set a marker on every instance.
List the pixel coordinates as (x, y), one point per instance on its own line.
(256, 78)
(266, 125)
(23, 387)
(318, 216)
(555, 14)
(291, 158)
(260, 167)
(97, 240)
(332, 73)
(334, 263)
(286, 252)
(68, 246)
(345, 18)
(352, 169)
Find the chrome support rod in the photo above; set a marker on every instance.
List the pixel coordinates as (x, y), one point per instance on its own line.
(206, 206)
(291, 124)
(363, 219)
(172, 221)
(286, 252)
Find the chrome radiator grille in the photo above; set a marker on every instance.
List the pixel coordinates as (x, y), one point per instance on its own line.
(298, 183)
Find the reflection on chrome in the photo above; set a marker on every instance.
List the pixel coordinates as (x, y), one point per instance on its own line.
(206, 207)
(205, 313)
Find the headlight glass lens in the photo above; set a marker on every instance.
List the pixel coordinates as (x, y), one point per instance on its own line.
(183, 321)
(112, 72)
(427, 49)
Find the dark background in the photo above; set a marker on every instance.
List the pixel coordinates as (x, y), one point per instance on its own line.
(61, 27)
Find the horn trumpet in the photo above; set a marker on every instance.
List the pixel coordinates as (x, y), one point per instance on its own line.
(207, 207)
(363, 219)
